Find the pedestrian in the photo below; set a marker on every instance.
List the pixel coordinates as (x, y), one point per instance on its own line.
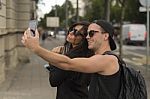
(72, 85)
(44, 35)
(105, 68)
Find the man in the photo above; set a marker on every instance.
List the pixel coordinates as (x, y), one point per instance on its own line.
(105, 68)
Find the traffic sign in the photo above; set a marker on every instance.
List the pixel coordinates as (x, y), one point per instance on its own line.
(145, 3)
(52, 21)
(143, 9)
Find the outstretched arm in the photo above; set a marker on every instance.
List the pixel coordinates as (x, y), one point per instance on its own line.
(96, 63)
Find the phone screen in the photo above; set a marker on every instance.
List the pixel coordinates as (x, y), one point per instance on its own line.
(33, 26)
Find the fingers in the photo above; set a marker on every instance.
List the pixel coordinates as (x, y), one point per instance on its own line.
(23, 40)
(25, 35)
(28, 33)
(61, 49)
(58, 49)
(36, 33)
(30, 41)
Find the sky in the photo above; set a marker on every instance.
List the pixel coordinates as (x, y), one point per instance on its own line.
(46, 5)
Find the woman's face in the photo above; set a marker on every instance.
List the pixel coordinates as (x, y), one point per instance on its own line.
(74, 40)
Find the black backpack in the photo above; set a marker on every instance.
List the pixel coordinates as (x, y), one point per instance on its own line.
(132, 82)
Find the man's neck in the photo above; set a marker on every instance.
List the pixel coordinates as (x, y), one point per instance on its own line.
(102, 50)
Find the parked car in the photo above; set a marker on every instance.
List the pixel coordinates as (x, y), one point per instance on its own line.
(51, 33)
(62, 32)
(134, 34)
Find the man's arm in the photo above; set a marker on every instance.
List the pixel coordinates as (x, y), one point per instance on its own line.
(96, 63)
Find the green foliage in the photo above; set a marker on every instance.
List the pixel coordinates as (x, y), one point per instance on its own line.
(95, 10)
(61, 13)
(115, 13)
(132, 13)
(37, 1)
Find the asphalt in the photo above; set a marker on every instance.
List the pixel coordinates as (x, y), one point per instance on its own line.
(30, 80)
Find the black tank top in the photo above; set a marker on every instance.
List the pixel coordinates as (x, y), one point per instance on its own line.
(105, 86)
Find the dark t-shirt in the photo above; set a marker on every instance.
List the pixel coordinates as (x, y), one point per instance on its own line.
(105, 86)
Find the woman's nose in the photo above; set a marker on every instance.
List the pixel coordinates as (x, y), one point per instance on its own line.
(87, 37)
(71, 33)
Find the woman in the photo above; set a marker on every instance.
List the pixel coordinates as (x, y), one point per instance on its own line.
(72, 85)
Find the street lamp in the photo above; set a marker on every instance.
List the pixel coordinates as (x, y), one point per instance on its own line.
(146, 4)
(147, 34)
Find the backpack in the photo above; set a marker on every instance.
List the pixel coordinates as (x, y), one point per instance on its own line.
(132, 82)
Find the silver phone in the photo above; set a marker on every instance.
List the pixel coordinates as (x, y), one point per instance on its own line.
(33, 26)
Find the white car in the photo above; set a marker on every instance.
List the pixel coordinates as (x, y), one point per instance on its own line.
(134, 33)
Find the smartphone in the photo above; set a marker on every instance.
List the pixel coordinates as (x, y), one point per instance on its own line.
(33, 26)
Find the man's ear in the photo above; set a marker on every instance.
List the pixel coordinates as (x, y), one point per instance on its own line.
(106, 36)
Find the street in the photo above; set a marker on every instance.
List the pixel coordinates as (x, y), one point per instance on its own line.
(30, 81)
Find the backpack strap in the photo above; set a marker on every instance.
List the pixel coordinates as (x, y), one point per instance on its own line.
(120, 61)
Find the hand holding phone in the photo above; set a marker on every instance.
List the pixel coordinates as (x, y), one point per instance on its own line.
(33, 26)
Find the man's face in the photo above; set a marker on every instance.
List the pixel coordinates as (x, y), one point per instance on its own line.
(94, 37)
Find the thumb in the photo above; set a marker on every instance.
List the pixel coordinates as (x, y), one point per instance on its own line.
(36, 33)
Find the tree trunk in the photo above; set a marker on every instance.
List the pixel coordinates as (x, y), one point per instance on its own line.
(121, 23)
(107, 10)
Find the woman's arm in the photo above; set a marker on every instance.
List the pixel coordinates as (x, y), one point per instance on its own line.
(58, 76)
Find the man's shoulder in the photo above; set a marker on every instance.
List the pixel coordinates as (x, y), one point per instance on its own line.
(108, 57)
(109, 63)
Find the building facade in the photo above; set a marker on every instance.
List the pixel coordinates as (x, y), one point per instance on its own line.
(14, 18)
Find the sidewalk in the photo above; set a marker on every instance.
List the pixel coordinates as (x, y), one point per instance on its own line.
(30, 81)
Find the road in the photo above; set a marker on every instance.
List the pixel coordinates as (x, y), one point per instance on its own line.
(137, 49)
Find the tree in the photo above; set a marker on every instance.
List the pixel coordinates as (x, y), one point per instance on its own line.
(37, 1)
(94, 10)
(126, 10)
(60, 13)
(132, 11)
(115, 11)
(123, 6)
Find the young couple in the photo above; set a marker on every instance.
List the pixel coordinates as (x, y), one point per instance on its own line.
(74, 65)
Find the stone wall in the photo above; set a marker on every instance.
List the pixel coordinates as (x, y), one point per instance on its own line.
(14, 18)
(2, 39)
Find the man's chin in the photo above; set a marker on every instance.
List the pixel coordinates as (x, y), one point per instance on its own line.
(90, 47)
